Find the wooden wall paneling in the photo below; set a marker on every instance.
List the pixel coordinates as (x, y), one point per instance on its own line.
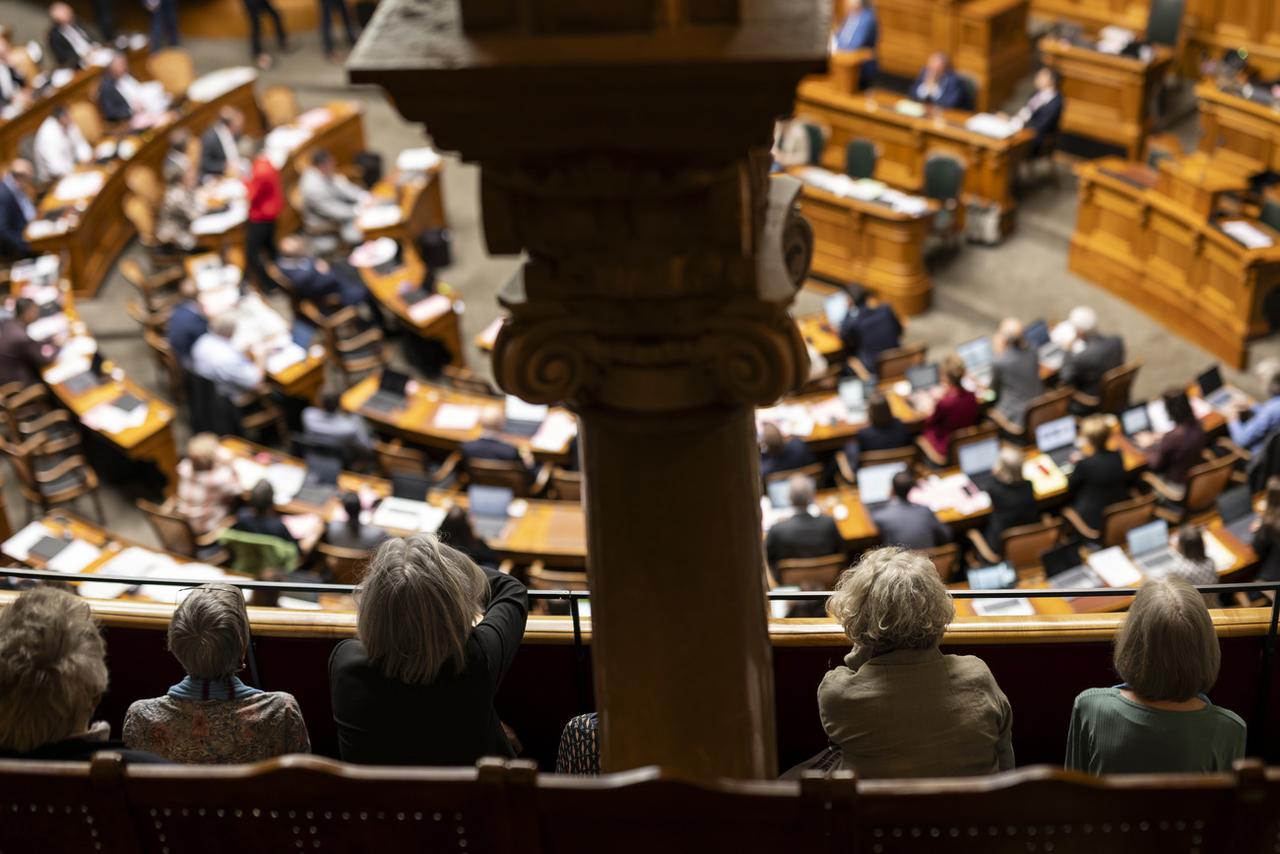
(1096, 13)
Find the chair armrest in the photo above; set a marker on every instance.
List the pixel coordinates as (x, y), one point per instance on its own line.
(1074, 520)
(541, 479)
(845, 469)
(449, 467)
(860, 370)
(1086, 400)
(1004, 425)
(1227, 446)
(506, 566)
(211, 538)
(930, 454)
(1160, 487)
(980, 544)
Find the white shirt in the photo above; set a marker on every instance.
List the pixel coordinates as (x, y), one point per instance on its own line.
(81, 45)
(59, 149)
(215, 359)
(1035, 102)
(8, 86)
(791, 147)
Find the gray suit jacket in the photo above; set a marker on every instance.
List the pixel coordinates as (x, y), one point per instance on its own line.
(1015, 377)
(1084, 370)
(912, 526)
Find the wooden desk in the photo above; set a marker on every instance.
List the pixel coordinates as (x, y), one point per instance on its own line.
(1096, 14)
(420, 200)
(830, 424)
(415, 421)
(1106, 97)
(96, 229)
(906, 142)
(1240, 133)
(388, 289)
(871, 244)
(1199, 181)
(1166, 259)
(1215, 26)
(986, 39)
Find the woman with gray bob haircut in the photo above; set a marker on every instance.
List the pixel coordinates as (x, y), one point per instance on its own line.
(898, 707)
(211, 716)
(1160, 719)
(437, 634)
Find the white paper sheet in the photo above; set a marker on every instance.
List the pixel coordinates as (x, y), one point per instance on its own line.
(403, 514)
(1114, 568)
(427, 310)
(286, 480)
(1223, 558)
(453, 416)
(248, 472)
(555, 431)
(75, 558)
(218, 83)
(79, 185)
(990, 125)
(1247, 233)
(19, 545)
(286, 357)
(198, 573)
(379, 216)
(1017, 606)
(417, 159)
(221, 222)
(102, 589)
(47, 327)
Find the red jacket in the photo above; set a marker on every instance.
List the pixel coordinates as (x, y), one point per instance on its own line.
(957, 409)
(266, 194)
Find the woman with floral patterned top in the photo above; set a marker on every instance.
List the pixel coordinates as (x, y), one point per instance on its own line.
(211, 716)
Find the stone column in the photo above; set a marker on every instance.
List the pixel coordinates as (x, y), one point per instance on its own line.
(623, 148)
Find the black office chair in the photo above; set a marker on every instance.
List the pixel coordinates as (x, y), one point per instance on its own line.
(1164, 26)
(1270, 213)
(970, 85)
(944, 182)
(860, 159)
(817, 142)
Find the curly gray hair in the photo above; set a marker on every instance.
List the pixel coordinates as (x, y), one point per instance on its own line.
(892, 599)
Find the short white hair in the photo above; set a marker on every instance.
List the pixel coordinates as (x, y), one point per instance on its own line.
(53, 668)
(209, 631)
(1084, 319)
(892, 599)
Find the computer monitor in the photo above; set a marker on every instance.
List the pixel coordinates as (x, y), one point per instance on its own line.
(490, 501)
(875, 483)
(1135, 420)
(1036, 335)
(836, 307)
(976, 354)
(853, 393)
(1235, 503)
(1148, 538)
(922, 376)
(978, 457)
(1210, 381)
(1057, 433)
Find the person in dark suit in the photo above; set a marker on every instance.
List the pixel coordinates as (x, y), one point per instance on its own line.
(1180, 449)
(868, 330)
(1013, 501)
(491, 445)
(1043, 111)
(884, 432)
(20, 357)
(186, 323)
(1098, 479)
(781, 453)
(938, 84)
(220, 144)
(804, 534)
(16, 210)
(164, 23)
(68, 41)
(1015, 373)
(351, 533)
(1100, 353)
(859, 31)
(260, 516)
(315, 281)
(112, 101)
(902, 523)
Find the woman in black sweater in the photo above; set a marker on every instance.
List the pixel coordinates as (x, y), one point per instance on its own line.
(884, 431)
(1013, 501)
(1098, 479)
(436, 636)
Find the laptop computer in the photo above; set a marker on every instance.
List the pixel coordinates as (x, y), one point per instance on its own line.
(1214, 392)
(853, 394)
(524, 419)
(875, 483)
(923, 377)
(488, 506)
(321, 482)
(836, 307)
(1149, 548)
(412, 487)
(977, 459)
(1056, 439)
(90, 379)
(1063, 569)
(779, 492)
(1002, 576)
(390, 393)
(1135, 420)
(979, 358)
(1235, 506)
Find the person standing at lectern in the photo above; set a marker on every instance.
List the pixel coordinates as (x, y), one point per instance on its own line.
(859, 31)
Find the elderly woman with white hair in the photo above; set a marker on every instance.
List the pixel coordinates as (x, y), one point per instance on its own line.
(53, 672)
(211, 716)
(1160, 719)
(437, 634)
(1092, 354)
(899, 707)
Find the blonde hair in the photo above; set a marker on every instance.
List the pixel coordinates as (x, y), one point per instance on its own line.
(892, 599)
(953, 369)
(53, 668)
(1009, 465)
(416, 607)
(1096, 430)
(209, 631)
(202, 450)
(1166, 649)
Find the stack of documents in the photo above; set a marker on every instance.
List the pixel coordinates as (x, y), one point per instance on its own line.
(990, 125)
(1246, 233)
(453, 416)
(218, 83)
(1114, 568)
(403, 514)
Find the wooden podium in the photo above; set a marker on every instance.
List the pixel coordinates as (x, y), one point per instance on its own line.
(1240, 132)
(986, 39)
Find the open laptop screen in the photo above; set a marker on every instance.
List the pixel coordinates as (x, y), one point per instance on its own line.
(489, 500)
(978, 457)
(1055, 434)
(875, 483)
(1149, 537)
(976, 354)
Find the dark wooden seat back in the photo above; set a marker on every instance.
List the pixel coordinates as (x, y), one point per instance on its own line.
(1114, 387)
(1045, 408)
(346, 565)
(893, 364)
(1024, 544)
(946, 559)
(1205, 483)
(1122, 517)
(905, 455)
(811, 573)
(512, 474)
(173, 531)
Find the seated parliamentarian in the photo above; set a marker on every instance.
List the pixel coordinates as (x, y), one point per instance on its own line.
(187, 322)
(1098, 479)
(59, 146)
(1160, 720)
(329, 200)
(179, 208)
(436, 635)
(53, 672)
(1043, 111)
(15, 93)
(805, 534)
(1015, 372)
(938, 84)
(212, 717)
(21, 358)
(1092, 354)
(491, 445)
(328, 422)
(457, 532)
(903, 523)
(858, 31)
(782, 453)
(1263, 420)
(955, 410)
(1013, 501)
(868, 330)
(121, 98)
(1182, 448)
(352, 532)
(17, 209)
(208, 488)
(214, 358)
(314, 280)
(259, 515)
(220, 145)
(898, 707)
(69, 43)
(791, 143)
(884, 431)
